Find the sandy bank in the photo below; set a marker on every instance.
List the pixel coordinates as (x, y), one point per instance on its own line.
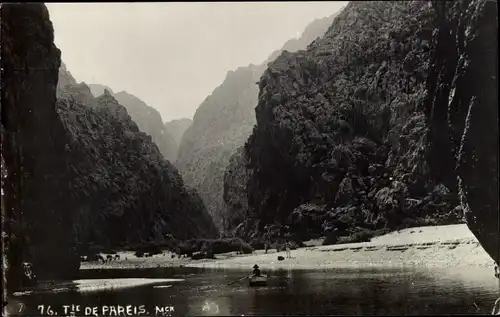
(438, 246)
(94, 285)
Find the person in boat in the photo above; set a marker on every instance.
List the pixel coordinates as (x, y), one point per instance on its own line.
(256, 270)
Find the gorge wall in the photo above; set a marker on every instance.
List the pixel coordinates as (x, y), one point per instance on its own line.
(125, 191)
(37, 209)
(356, 133)
(177, 128)
(462, 107)
(147, 118)
(223, 122)
(76, 170)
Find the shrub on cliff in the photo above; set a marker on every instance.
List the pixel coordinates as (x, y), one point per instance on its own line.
(214, 246)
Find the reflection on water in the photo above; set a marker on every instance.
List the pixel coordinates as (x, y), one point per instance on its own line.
(346, 291)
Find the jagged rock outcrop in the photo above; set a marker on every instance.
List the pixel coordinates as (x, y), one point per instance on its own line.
(124, 191)
(65, 77)
(462, 107)
(38, 214)
(223, 122)
(341, 132)
(147, 118)
(98, 89)
(67, 87)
(176, 129)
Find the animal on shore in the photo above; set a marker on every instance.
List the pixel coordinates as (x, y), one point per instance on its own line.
(117, 257)
(100, 258)
(109, 258)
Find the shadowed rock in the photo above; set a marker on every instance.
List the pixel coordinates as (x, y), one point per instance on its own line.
(463, 111)
(38, 218)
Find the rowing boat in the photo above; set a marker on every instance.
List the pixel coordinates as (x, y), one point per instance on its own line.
(258, 280)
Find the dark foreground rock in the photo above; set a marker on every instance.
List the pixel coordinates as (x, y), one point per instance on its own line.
(37, 213)
(462, 107)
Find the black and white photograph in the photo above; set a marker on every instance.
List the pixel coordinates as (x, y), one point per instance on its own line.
(250, 158)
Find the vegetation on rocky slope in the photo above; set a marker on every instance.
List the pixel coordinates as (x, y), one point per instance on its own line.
(341, 134)
(147, 118)
(222, 123)
(125, 192)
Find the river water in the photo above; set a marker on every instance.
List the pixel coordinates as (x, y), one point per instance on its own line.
(338, 292)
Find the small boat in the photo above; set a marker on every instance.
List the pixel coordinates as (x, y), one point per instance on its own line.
(258, 280)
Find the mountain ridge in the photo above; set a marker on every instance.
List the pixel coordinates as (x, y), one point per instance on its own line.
(222, 123)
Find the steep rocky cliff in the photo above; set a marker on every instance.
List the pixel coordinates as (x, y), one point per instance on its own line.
(147, 118)
(340, 138)
(124, 191)
(38, 214)
(462, 107)
(223, 122)
(176, 129)
(372, 125)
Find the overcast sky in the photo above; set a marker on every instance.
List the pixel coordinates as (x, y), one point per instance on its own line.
(173, 55)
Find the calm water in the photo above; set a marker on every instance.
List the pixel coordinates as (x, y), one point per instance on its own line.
(365, 292)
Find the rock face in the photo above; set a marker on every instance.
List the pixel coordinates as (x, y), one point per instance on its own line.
(222, 123)
(462, 107)
(176, 129)
(65, 77)
(341, 133)
(236, 177)
(98, 89)
(124, 191)
(38, 215)
(147, 118)
(371, 127)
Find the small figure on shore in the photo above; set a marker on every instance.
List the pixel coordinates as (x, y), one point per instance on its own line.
(29, 277)
(287, 248)
(266, 247)
(256, 270)
(497, 273)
